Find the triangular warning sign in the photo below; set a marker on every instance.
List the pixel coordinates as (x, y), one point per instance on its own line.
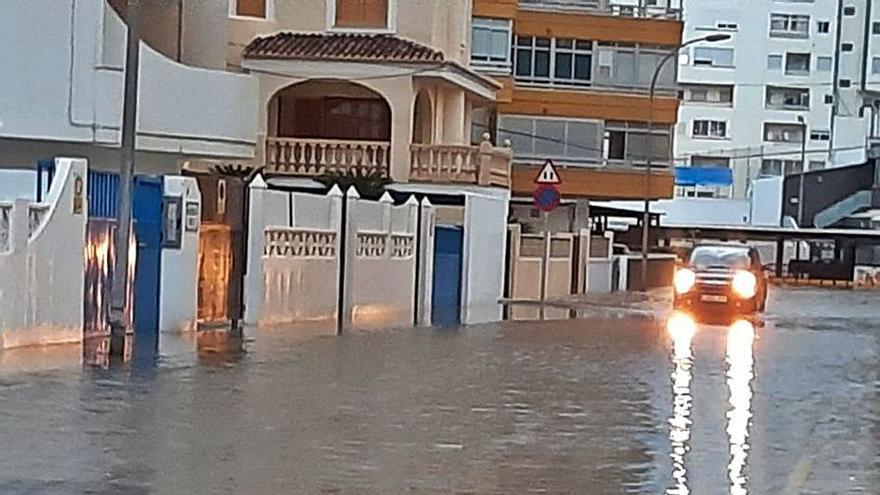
(548, 174)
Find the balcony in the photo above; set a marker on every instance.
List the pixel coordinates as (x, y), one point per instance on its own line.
(483, 165)
(315, 157)
(320, 127)
(69, 86)
(668, 9)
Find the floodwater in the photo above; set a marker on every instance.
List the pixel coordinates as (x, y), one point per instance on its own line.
(592, 406)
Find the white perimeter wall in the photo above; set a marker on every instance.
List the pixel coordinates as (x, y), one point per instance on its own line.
(42, 273)
(179, 292)
(485, 250)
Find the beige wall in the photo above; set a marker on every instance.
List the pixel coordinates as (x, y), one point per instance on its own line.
(441, 24)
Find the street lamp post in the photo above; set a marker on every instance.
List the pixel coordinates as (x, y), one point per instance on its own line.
(646, 218)
(800, 215)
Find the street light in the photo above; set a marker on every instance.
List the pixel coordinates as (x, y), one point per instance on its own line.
(800, 216)
(646, 219)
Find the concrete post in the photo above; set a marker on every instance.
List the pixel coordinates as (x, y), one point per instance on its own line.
(426, 272)
(347, 259)
(253, 280)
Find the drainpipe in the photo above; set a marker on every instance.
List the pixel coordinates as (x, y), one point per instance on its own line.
(866, 44)
(834, 84)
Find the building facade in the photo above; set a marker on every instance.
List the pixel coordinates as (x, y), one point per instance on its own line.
(576, 78)
(793, 89)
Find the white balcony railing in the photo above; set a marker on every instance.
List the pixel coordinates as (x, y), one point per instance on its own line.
(313, 157)
(483, 165)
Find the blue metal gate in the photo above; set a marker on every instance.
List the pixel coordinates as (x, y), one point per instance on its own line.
(147, 215)
(446, 299)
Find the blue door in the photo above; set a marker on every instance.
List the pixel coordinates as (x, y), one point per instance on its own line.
(446, 300)
(147, 215)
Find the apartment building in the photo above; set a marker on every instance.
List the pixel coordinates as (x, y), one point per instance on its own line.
(575, 78)
(793, 89)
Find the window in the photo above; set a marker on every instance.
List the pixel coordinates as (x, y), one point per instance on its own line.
(875, 27)
(845, 83)
(819, 135)
(829, 99)
(713, 57)
(846, 47)
(627, 142)
(361, 14)
(727, 26)
(561, 139)
(710, 161)
(722, 95)
(797, 63)
(875, 65)
(849, 10)
(251, 8)
(823, 64)
(561, 61)
(783, 133)
(716, 129)
(775, 167)
(490, 43)
(823, 27)
(789, 26)
(630, 65)
(788, 98)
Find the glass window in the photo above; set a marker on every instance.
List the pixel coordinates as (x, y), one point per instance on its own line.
(875, 65)
(783, 133)
(710, 128)
(823, 27)
(789, 26)
(490, 43)
(787, 98)
(720, 256)
(713, 57)
(534, 138)
(251, 8)
(552, 61)
(797, 63)
(875, 27)
(819, 135)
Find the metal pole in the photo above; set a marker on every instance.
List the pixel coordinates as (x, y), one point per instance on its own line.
(803, 172)
(545, 261)
(119, 295)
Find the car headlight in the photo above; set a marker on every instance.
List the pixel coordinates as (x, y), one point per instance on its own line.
(684, 280)
(745, 284)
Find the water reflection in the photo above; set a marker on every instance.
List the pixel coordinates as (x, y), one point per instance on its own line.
(740, 365)
(681, 328)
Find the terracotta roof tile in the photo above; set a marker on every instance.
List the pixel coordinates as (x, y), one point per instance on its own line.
(342, 46)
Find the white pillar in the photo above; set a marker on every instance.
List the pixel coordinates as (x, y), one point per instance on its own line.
(254, 287)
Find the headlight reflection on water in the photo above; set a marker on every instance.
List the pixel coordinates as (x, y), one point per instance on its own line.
(681, 328)
(740, 365)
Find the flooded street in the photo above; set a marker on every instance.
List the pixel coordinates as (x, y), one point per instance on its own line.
(605, 406)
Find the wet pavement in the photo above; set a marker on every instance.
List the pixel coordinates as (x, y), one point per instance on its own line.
(593, 406)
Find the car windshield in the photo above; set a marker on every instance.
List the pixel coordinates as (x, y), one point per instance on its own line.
(720, 257)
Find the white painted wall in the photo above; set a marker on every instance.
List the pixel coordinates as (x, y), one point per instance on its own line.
(767, 201)
(690, 211)
(485, 248)
(179, 291)
(66, 85)
(41, 286)
(18, 184)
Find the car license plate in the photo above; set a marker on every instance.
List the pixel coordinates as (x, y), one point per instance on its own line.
(713, 299)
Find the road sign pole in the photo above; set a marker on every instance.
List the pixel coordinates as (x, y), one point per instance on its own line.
(545, 262)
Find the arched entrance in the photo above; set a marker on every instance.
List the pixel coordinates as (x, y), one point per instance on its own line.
(423, 120)
(328, 125)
